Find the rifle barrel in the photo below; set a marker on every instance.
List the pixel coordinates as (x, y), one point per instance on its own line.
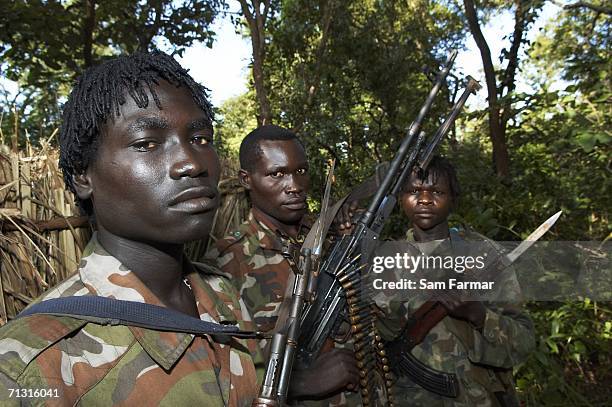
(368, 216)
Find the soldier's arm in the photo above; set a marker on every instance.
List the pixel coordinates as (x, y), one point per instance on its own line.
(506, 337)
(9, 391)
(230, 259)
(246, 322)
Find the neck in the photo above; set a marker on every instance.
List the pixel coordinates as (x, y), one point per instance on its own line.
(289, 229)
(160, 267)
(437, 232)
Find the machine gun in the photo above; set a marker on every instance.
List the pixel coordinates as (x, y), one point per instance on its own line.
(284, 343)
(340, 294)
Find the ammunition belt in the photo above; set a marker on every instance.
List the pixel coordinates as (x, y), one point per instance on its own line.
(372, 361)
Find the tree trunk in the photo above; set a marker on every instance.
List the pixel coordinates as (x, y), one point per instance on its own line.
(256, 18)
(497, 131)
(88, 29)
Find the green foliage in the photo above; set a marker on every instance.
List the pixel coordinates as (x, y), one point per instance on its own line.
(45, 45)
(235, 119)
(347, 76)
(351, 87)
(572, 358)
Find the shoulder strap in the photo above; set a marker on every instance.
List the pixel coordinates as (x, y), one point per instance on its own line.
(108, 311)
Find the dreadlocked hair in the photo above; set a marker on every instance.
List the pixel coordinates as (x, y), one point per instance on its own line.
(98, 95)
(440, 167)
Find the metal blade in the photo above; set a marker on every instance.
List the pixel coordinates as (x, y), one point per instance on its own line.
(320, 233)
(532, 238)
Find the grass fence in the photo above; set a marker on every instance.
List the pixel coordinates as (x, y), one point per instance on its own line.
(42, 235)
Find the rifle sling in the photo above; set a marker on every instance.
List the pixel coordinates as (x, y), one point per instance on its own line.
(108, 311)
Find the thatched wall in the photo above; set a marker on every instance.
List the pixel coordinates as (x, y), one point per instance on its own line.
(41, 234)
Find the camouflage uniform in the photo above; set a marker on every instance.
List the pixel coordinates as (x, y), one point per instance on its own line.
(482, 361)
(252, 254)
(92, 364)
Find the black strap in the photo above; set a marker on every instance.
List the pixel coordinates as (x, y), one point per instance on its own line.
(108, 311)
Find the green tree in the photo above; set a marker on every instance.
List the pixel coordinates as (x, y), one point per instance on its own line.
(348, 76)
(45, 45)
(235, 119)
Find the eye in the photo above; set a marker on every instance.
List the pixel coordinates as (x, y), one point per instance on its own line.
(436, 192)
(201, 140)
(144, 145)
(301, 171)
(413, 191)
(277, 174)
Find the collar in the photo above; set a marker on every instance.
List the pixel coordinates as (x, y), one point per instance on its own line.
(431, 246)
(271, 238)
(104, 275)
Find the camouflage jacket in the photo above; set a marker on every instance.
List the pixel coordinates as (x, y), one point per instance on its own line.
(75, 362)
(482, 360)
(252, 255)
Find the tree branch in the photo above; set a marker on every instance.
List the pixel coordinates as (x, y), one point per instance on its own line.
(584, 4)
(88, 28)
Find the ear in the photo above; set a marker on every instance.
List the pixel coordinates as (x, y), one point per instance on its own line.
(83, 186)
(245, 179)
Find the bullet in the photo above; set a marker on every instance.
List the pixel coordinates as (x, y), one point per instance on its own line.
(362, 335)
(360, 317)
(361, 344)
(360, 326)
(365, 362)
(357, 301)
(361, 306)
(348, 265)
(353, 274)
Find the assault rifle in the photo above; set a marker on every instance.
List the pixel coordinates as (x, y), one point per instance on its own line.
(283, 347)
(338, 283)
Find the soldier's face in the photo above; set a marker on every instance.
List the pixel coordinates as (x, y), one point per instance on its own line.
(427, 203)
(279, 183)
(155, 174)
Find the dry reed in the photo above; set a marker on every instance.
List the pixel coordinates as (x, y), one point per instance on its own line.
(32, 194)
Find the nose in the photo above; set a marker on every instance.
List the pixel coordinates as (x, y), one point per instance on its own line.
(187, 162)
(424, 198)
(293, 186)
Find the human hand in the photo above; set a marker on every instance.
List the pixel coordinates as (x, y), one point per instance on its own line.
(343, 223)
(331, 373)
(472, 311)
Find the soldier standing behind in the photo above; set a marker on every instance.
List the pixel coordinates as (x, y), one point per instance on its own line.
(274, 171)
(477, 342)
(136, 149)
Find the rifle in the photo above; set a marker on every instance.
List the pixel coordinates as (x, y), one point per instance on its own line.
(431, 312)
(275, 387)
(339, 283)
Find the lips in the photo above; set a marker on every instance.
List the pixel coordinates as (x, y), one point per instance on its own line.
(425, 214)
(295, 205)
(195, 200)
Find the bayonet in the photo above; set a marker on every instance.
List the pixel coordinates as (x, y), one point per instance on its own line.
(531, 239)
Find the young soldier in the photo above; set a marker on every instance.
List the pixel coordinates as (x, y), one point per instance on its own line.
(136, 149)
(274, 170)
(477, 342)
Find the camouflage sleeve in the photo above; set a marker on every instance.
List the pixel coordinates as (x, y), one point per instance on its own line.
(506, 339)
(507, 336)
(7, 391)
(245, 322)
(233, 261)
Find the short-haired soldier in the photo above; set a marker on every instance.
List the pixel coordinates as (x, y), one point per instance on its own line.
(478, 342)
(136, 148)
(274, 171)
